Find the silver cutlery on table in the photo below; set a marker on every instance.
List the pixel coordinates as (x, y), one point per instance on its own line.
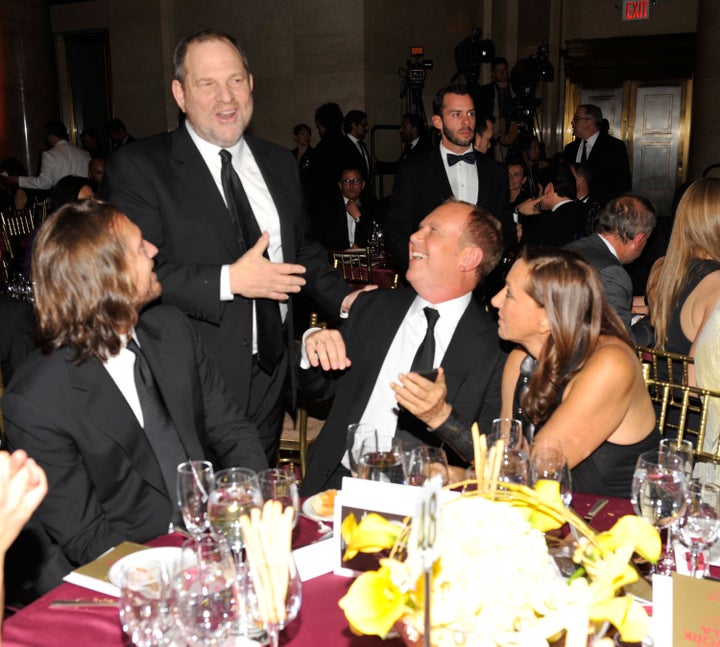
(593, 511)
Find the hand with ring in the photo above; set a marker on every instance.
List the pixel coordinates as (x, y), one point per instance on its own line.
(326, 348)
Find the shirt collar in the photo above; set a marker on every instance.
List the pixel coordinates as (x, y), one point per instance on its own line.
(211, 152)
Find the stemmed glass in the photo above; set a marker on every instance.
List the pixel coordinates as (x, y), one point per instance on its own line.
(144, 610)
(510, 431)
(195, 480)
(381, 459)
(700, 524)
(236, 493)
(423, 462)
(357, 432)
(548, 463)
(206, 591)
(659, 489)
(514, 466)
(281, 485)
(684, 450)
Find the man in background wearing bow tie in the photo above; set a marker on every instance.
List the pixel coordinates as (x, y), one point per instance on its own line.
(451, 169)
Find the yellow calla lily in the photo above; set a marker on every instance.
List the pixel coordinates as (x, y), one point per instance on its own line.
(636, 532)
(548, 492)
(625, 614)
(373, 603)
(371, 535)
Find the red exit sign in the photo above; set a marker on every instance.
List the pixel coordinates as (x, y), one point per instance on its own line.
(635, 10)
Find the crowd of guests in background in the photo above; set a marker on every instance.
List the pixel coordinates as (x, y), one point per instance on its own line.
(516, 277)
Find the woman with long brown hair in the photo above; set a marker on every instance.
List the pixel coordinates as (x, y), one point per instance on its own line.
(574, 376)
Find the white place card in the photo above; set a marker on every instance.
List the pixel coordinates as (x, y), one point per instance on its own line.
(315, 559)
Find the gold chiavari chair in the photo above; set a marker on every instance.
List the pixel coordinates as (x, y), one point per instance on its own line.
(16, 225)
(355, 265)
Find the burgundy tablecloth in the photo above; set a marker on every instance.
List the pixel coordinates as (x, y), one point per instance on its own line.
(320, 622)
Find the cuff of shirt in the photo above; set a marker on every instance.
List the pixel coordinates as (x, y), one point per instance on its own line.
(225, 291)
(304, 361)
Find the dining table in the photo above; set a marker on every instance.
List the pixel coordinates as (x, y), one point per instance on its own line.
(319, 622)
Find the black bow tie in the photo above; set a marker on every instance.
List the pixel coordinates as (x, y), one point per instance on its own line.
(468, 158)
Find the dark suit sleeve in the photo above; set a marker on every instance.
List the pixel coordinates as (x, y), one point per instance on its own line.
(618, 291)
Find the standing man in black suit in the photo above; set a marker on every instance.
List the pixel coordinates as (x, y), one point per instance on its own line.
(116, 399)
(414, 136)
(202, 194)
(495, 99)
(605, 156)
(454, 168)
(368, 364)
(623, 229)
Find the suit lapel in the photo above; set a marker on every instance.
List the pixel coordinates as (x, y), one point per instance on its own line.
(438, 175)
(195, 178)
(107, 411)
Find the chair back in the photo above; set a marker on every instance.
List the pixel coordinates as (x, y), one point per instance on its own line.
(355, 265)
(670, 367)
(16, 225)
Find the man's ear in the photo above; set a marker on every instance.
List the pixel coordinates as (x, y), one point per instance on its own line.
(470, 258)
(178, 94)
(437, 121)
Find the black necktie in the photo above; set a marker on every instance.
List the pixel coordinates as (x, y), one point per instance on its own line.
(583, 157)
(406, 151)
(269, 323)
(425, 355)
(468, 158)
(158, 426)
(366, 157)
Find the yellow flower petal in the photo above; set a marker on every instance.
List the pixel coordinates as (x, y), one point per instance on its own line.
(373, 603)
(636, 532)
(371, 535)
(548, 492)
(625, 614)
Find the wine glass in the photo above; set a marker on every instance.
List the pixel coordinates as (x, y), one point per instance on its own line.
(423, 462)
(510, 431)
(659, 489)
(381, 459)
(357, 432)
(282, 486)
(144, 594)
(548, 463)
(514, 466)
(195, 481)
(683, 449)
(206, 591)
(263, 609)
(699, 526)
(236, 493)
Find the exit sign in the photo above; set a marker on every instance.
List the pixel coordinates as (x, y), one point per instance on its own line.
(636, 10)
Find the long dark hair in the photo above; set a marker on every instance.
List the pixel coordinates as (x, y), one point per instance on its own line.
(570, 291)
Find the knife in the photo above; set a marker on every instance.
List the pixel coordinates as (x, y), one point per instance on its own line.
(78, 604)
(592, 512)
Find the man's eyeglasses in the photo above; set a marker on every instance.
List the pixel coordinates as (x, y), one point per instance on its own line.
(348, 181)
(576, 118)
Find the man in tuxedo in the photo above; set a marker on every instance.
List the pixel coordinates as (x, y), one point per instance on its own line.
(452, 169)
(113, 400)
(495, 99)
(623, 229)
(345, 221)
(356, 127)
(202, 194)
(413, 135)
(371, 365)
(605, 156)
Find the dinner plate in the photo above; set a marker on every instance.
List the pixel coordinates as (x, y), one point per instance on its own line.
(310, 513)
(169, 555)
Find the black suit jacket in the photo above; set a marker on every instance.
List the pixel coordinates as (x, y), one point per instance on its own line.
(609, 166)
(555, 228)
(421, 185)
(473, 366)
(16, 324)
(330, 224)
(164, 186)
(105, 483)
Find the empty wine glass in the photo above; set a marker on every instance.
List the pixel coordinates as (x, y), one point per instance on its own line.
(381, 459)
(145, 592)
(659, 490)
(195, 481)
(236, 493)
(206, 591)
(700, 523)
(548, 463)
(356, 433)
(423, 462)
(281, 485)
(684, 450)
(510, 431)
(514, 466)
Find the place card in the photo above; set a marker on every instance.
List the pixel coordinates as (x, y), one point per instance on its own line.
(94, 575)
(696, 612)
(315, 559)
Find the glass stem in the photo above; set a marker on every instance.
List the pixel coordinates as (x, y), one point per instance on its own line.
(694, 559)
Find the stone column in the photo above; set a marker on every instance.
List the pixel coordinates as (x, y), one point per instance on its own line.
(705, 131)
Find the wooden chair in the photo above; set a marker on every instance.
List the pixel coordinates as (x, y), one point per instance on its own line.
(354, 264)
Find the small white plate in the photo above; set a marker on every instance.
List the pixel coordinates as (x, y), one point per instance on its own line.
(310, 513)
(169, 555)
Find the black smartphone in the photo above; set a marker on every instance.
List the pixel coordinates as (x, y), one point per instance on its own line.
(428, 375)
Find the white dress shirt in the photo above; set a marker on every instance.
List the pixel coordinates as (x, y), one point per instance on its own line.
(261, 201)
(351, 223)
(61, 160)
(588, 147)
(121, 368)
(361, 150)
(462, 176)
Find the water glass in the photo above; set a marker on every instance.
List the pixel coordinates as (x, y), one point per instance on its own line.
(510, 431)
(145, 602)
(381, 459)
(206, 591)
(423, 462)
(356, 433)
(681, 448)
(514, 467)
(195, 481)
(548, 463)
(281, 485)
(699, 526)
